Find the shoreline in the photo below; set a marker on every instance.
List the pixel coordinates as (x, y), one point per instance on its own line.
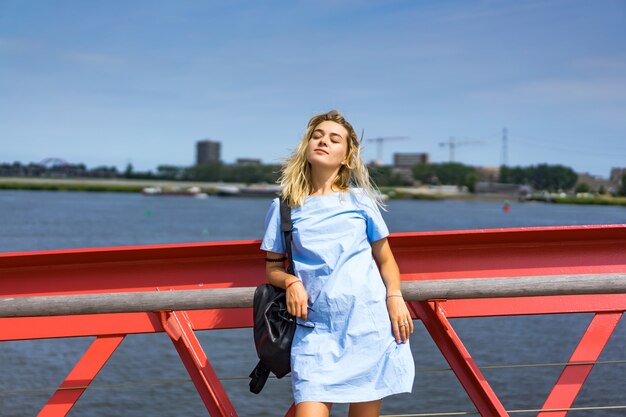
(137, 185)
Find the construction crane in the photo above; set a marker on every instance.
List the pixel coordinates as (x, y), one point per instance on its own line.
(379, 146)
(452, 144)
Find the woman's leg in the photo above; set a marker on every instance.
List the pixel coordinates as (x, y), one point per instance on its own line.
(313, 409)
(366, 409)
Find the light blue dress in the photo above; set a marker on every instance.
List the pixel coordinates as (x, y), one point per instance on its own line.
(345, 352)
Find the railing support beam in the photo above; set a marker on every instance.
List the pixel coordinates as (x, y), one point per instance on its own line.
(461, 362)
(291, 412)
(81, 376)
(178, 327)
(573, 376)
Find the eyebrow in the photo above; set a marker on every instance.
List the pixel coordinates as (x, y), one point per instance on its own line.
(331, 133)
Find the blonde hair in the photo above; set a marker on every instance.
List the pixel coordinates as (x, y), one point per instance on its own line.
(295, 178)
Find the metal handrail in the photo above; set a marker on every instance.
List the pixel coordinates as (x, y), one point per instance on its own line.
(215, 298)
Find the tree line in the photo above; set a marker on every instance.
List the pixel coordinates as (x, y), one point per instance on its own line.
(540, 177)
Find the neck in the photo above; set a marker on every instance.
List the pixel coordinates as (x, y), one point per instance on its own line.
(322, 181)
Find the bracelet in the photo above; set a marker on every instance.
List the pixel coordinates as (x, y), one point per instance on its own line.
(276, 260)
(292, 282)
(394, 295)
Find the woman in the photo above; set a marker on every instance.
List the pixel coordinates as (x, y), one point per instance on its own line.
(352, 344)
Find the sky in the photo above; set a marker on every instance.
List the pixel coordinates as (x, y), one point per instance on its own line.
(113, 82)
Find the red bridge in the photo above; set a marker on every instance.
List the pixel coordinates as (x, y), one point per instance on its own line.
(422, 257)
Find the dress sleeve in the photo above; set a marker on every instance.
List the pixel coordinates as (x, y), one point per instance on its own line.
(376, 227)
(273, 241)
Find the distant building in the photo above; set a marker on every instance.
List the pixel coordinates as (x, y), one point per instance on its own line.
(616, 175)
(208, 152)
(488, 174)
(409, 160)
(248, 162)
(498, 188)
(488, 182)
(595, 182)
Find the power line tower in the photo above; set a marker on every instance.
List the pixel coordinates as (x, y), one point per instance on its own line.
(505, 150)
(452, 144)
(379, 146)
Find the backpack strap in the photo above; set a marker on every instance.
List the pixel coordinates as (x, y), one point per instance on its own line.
(259, 377)
(260, 374)
(286, 227)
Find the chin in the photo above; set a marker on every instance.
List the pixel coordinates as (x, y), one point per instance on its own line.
(317, 160)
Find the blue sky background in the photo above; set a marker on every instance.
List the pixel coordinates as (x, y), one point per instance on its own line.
(109, 82)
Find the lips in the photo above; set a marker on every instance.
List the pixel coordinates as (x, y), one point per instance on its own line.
(321, 150)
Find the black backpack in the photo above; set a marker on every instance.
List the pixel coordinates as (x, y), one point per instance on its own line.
(274, 327)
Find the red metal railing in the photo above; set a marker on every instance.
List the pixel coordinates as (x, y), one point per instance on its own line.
(421, 256)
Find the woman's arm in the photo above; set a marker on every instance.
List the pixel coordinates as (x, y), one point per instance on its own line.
(296, 294)
(401, 320)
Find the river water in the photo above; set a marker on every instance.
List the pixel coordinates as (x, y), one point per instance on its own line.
(57, 220)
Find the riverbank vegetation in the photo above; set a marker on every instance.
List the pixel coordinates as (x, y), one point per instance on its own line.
(540, 177)
(60, 185)
(601, 200)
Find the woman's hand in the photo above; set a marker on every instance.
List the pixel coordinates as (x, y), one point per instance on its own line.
(401, 320)
(297, 298)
